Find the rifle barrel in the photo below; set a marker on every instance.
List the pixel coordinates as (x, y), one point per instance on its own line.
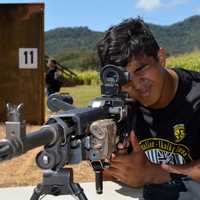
(41, 137)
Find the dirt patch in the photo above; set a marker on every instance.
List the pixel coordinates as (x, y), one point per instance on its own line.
(23, 171)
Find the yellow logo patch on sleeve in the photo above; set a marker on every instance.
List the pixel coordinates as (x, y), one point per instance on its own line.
(179, 132)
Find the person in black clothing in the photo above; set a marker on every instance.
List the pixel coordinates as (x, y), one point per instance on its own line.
(166, 122)
(53, 84)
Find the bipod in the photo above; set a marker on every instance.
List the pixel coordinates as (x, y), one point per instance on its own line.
(58, 183)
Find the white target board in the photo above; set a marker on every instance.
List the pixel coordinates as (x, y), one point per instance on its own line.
(28, 58)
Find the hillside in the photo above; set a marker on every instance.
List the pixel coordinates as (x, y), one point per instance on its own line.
(78, 38)
(75, 47)
(181, 37)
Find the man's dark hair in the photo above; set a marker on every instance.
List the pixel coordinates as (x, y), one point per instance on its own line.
(53, 61)
(122, 42)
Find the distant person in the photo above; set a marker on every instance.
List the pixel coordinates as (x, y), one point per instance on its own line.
(53, 83)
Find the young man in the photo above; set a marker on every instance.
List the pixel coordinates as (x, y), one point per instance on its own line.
(53, 84)
(166, 125)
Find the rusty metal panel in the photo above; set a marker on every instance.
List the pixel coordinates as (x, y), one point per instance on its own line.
(22, 37)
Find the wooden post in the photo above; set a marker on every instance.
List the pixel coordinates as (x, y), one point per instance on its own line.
(22, 59)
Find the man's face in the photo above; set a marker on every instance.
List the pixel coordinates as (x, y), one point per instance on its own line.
(147, 80)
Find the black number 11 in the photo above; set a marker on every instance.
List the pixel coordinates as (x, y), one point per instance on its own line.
(26, 56)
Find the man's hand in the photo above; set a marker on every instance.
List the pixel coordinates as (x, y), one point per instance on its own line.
(135, 169)
(191, 169)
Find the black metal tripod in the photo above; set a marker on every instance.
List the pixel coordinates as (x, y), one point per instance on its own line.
(58, 183)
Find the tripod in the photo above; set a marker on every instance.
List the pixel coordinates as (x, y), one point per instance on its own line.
(58, 183)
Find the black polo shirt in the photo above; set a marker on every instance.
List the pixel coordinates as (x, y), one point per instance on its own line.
(172, 134)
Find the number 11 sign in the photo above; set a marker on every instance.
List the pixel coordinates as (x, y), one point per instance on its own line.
(28, 58)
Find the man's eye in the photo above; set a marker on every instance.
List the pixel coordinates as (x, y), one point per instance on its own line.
(144, 67)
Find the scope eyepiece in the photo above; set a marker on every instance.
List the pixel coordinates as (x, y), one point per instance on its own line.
(112, 74)
(113, 77)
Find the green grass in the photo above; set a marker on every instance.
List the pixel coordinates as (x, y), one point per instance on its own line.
(190, 61)
(83, 94)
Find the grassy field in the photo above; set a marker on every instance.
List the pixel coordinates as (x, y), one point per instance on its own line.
(23, 170)
(82, 95)
(189, 61)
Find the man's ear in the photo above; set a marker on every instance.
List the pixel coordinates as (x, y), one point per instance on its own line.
(162, 57)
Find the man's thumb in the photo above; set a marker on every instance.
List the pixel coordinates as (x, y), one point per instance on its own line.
(134, 142)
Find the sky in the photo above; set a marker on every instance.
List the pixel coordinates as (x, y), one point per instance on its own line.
(99, 15)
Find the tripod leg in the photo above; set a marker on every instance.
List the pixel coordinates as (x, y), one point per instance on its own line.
(99, 181)
(78, 191)
(37, 192)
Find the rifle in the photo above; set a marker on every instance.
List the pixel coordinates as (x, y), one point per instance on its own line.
(73, 134)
